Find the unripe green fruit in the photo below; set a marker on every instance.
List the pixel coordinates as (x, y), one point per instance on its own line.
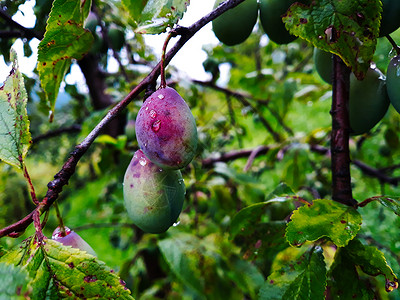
(393, 82)
(323, 64)
(91, 22)
(271, 12)
(166, 130)
(116, 36)
(368, 101)
(235, 25)
(390, 17)
(71, 238)
(153, 197)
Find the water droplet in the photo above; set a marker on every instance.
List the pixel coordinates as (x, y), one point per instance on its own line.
(153, 113)
(147, 108)
(142, 161)
(161, 96)
(156, 126)
(180, 181)
(176, 224)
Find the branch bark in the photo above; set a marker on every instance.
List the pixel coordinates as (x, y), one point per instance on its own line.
(340, 159)
(62, 177)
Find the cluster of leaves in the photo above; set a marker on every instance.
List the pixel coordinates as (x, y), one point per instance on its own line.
(234, 239)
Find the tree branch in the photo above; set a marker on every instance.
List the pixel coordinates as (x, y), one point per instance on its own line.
(56, 132)
(26, 32)
(61, 178)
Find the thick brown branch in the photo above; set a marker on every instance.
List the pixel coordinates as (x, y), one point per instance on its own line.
(62, 177)
(341, 181)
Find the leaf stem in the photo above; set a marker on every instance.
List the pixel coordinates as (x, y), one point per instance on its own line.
(162, 68)
(394, 45)
(30, 184)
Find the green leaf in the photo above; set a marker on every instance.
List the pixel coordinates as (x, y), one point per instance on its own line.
(158, 15)
(61, 271)
(324, 218)
(304, 278)
(15, 138)
(392, 203)
(181, 253)
(346, 28)
(13, 282)
(346, 283)
(134, 7)
(372, 262)
(65, 39)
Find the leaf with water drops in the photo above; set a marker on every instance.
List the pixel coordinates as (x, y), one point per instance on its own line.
(158, 15)
(65, 39)
(302, 278)
(57, 271)
(15, 138)
(346, 28)
(345, 280)
(324, 218)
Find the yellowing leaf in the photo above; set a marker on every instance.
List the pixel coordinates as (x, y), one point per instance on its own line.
(65, 39)
(15, 138)
(324, 218)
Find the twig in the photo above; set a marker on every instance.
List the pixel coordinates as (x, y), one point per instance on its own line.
(251, 158)
(62, 177)
(56, 132)
(26, 32)
(242, 99)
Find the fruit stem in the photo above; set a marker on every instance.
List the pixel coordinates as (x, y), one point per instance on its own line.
(30, 184)
(394, 45)
(340, 157)
(163, 84)
(60, 220)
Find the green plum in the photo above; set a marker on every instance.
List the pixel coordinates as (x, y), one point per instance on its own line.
(116, 37)
(390, 17)
(235, 25)
(153, 197)
(323, 64)
(271, 12)
(368, 101)
(166, 130)
(393, 82)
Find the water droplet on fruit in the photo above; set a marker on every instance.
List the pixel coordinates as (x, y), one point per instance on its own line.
(142, 161)
(156, 126)
(176, 224)
(161, 96)
(153, 113)
(147, 108)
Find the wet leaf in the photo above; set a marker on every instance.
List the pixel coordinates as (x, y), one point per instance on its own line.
(13, 282)
(65, 39)
(63, 271)
(158, 15)
(324, 218)
(304, 278)
(15, 138)
(346, 28)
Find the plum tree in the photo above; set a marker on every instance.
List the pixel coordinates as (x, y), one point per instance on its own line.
(153, 197)
(234, 26)
(393, 82)
(166, 130)
(323, 64)
(368, 102)
(71, 238)
(271, 12)
(390, 17)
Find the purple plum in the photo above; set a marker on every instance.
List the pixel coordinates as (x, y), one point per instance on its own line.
(71, 238)
(153, 196)
(166, 130)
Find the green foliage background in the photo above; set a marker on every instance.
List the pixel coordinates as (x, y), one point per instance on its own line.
(207, 256)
